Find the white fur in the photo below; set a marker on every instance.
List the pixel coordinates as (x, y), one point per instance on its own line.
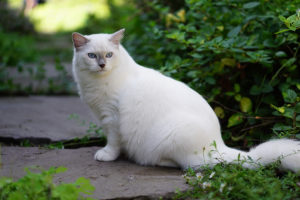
(157, 120)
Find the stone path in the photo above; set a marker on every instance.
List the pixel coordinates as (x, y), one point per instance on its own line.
(47, 117)
(113, 180)
(43, 117)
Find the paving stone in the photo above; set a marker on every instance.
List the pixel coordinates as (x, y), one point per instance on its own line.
(120, 179)
(43, 117)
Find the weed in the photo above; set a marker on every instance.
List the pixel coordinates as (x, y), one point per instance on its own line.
(41, 186)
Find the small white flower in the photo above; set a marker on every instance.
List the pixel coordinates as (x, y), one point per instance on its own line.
(212, 174)
(206, 185)
(199, 175)
(222, 187)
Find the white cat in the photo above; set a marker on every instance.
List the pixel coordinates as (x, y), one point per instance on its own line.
(155, 119)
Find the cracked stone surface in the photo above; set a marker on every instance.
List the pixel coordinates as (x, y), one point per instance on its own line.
(44, 117)
(120, 179)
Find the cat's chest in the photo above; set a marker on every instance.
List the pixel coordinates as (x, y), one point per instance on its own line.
(102, 99)
(98, 94)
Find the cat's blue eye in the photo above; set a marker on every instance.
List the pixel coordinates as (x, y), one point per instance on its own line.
(109, 55)
(92, 55)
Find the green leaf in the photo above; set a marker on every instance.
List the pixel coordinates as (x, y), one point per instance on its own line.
(219, 112)
(251, 5)
(289, 62)
(60, 169)
(282, 31)
(210, 80)
(255, 90)
(282, 18)
(238, 138)
(280, 54)
(234, 32)
(238, 97)
(4, 181)
(289, 113)
(235, 119)
(278, 127)
(246, 105)
(266, 88)
(84, 185)
(289, 96)
(237, 87)
(228, 62)
(279, 109)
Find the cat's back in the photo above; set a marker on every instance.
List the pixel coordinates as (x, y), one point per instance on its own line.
(153, 91)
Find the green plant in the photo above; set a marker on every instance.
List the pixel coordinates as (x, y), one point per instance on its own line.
(232, 181)
(93, 137)
(290, 112)
(228, 51)
(41, 186)
(92, 129)
(292, 22)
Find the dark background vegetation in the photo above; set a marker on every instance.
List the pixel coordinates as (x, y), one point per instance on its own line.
(229, 51)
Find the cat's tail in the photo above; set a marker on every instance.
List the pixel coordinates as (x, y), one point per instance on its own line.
(285, 150)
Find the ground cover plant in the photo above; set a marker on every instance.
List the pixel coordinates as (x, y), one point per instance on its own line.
(226, 181)
(40, 186)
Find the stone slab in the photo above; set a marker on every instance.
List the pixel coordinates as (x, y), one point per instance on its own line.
(120, 179)
(44, 117)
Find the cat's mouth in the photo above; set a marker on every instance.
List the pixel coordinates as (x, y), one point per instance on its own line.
(101, 70)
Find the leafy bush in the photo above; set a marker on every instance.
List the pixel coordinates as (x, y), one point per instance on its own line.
(228, 51)
(41, 186)
(235, 182)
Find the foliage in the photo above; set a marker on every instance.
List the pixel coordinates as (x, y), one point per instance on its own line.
(20, 57)
(41, 186)
(94, 136)
(226, 181)
(228, 51)
(292, 22)
(15, 48)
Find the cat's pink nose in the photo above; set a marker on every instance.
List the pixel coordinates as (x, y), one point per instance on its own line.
(102, 65)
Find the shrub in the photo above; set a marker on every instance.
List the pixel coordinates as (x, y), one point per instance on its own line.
(228, 51)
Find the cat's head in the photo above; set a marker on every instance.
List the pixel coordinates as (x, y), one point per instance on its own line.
(97, 53)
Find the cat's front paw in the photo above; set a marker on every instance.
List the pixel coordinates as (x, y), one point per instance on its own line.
(106, 154)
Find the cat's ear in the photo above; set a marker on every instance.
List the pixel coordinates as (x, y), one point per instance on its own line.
(117, 36)
(79, 40)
